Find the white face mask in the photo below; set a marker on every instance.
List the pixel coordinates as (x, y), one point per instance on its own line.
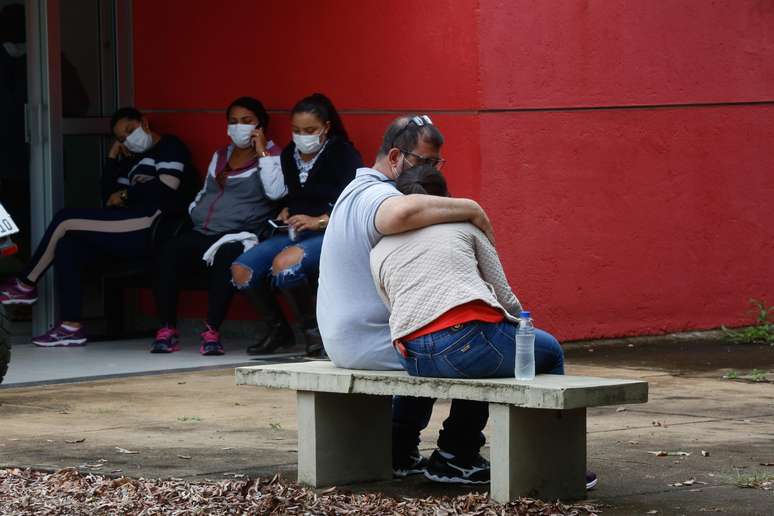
(240, 134)
(307, 143)
(138, 141)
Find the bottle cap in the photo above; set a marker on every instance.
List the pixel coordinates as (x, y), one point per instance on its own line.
(525, 314)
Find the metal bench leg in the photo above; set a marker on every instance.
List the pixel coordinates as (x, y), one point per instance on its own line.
(537, 453)
(343, 438)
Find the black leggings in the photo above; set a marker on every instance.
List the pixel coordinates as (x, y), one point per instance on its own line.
(183, 255)
(77, 238)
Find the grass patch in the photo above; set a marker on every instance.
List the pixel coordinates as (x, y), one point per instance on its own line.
(754, 480)
(755, 376)
(189, 419)
(761, 332)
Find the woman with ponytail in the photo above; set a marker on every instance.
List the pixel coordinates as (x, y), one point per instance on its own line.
(316, 166)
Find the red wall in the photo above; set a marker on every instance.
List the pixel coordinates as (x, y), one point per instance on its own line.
(622, 148)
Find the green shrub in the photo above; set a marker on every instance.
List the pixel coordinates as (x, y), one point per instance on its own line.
(762, 331)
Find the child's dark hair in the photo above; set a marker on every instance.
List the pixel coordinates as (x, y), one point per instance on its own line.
(128, 113)
(422, 179)
(322, 107)
(253, 105)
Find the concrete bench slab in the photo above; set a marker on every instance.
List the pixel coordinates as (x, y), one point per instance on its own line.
(538, 442)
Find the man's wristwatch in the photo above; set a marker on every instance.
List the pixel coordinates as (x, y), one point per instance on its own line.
(322, 224)
(124, 195)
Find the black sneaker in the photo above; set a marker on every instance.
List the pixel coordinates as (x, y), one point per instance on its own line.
(591, 480)
(455, 471)
(412, 465)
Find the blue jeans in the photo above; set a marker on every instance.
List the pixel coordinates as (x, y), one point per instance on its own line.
(471, 350)
(259, 260)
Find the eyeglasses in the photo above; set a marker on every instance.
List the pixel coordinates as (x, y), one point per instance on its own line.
(419, 121)
(436, 163)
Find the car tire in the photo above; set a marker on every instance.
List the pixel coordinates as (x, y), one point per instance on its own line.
(5, 356)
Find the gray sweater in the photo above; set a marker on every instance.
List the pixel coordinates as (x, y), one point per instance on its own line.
(245, 201)
(422, 274)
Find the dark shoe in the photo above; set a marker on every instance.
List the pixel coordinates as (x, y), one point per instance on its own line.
(415, 464)
(301, 301)
(279, 336)
(591, 480)
(314, 343)
(456, 471)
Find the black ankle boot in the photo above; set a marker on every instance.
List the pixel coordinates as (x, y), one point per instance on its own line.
(279, 333)
(301, 300)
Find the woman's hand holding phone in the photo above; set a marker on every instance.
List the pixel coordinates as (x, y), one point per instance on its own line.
(302, 223)
(259, 141)
(283, 215)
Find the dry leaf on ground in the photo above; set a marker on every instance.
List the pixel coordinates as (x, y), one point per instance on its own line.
(68, 491)
(663, 453)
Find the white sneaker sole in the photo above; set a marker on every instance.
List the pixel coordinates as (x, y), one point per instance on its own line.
(19, 302)
(60, 343)
(591, 485)
(456, 480)
(403, 473)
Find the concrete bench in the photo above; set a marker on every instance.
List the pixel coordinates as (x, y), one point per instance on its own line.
(537, 428)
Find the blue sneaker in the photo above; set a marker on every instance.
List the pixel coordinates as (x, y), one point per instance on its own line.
(414, 464)
(455, 471)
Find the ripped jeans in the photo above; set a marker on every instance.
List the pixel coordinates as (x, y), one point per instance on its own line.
(259, 260)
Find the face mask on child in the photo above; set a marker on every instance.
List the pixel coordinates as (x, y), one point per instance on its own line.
(240, 134)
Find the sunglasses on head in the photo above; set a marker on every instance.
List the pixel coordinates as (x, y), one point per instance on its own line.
(419, 121)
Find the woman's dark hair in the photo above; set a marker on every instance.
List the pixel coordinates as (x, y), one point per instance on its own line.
(128, 113)
(253, 105)
(322, 107)
(422, 179)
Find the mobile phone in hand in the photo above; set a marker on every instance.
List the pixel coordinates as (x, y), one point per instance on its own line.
(278, 224)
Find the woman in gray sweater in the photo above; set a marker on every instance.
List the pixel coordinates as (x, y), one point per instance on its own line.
(453, 315)
(452, 312)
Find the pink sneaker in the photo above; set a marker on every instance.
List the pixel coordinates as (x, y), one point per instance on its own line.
(167, 341)
(11, 293)
(211, 343)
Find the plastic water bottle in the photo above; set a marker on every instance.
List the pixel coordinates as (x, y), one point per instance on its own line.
(525, 348)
